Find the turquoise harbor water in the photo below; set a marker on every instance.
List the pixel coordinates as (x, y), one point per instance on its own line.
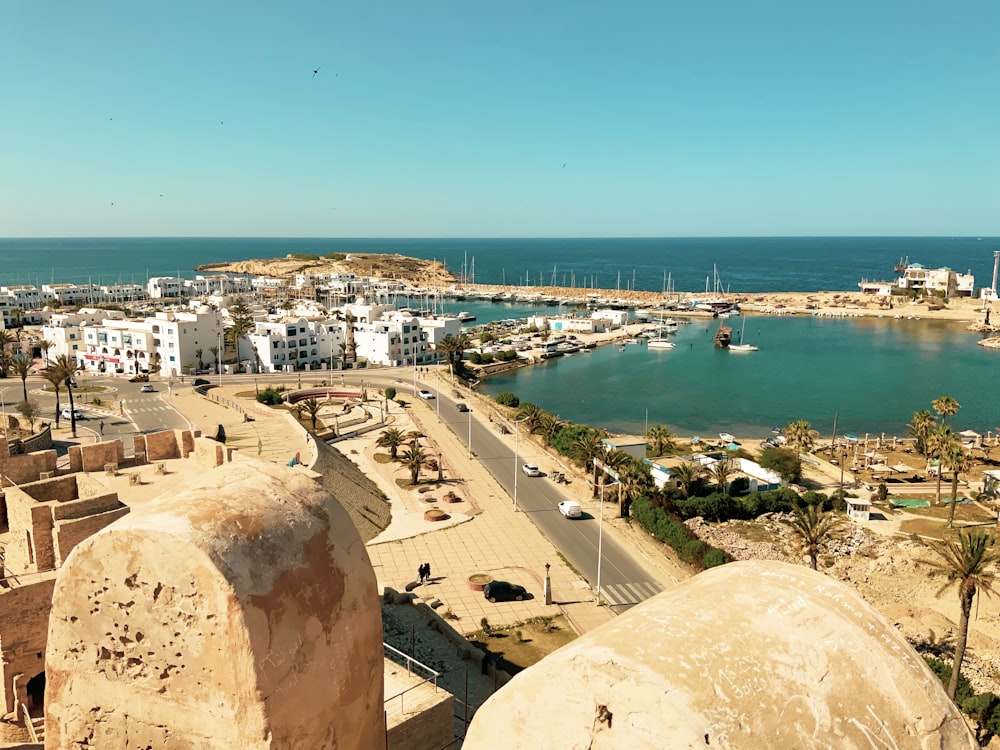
(874, 372)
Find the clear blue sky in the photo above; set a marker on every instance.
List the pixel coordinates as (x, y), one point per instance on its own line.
(441, 119)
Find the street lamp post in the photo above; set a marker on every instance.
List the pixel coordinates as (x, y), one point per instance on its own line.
(437, 371)
(600, 544)
(470, 433)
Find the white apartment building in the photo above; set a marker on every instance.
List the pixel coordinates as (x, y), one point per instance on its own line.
(296, 344)
(942, 280)
(128, 346)
(439, 326)
(395, 340)
(217, 284)
(64, 331)
(73, 295)
(165, 287)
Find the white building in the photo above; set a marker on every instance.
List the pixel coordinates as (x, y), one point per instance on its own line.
(64, 331)
(439, 326)
(397, 339)
(617, 318)
(217, 284)
(130, 346)
(73, 295)
(297, 344)
(165, 287)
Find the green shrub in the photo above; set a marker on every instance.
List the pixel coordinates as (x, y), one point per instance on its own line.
(269, 396)
(713, 558)
(390, 393)
(305, 256)
(669, 530)
(507, 399)
(475, 358)
(508, 355)
(335, 256)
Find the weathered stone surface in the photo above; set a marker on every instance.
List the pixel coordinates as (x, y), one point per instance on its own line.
(748, 655)
(242, 612)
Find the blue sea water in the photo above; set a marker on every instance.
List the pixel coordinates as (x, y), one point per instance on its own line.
(874, 373)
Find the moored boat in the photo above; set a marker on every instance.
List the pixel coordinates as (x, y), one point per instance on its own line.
(723, 337)
(660, 343)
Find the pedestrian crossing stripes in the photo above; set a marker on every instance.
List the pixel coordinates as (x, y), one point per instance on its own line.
(629, 593)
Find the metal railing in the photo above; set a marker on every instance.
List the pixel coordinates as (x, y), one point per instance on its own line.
(414, 667)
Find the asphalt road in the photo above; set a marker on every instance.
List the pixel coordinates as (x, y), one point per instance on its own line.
(623, 581)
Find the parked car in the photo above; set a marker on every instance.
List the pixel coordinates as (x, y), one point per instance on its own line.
(570, 509)
(462, 406)
(502, 591)
(531, 470)
(139, 378)
(426, 395)
(148, 389)
(67, 413)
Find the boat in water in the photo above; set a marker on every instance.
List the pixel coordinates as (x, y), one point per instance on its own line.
(466, 317)
(741, 347)
(660, 343)
(723, 337)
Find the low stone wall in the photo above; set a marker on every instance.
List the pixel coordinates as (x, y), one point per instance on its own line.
(95, 457)
(28, 467)
(69, 533)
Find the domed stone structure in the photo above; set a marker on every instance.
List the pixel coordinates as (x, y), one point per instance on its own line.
(240, 613)
(747, 655)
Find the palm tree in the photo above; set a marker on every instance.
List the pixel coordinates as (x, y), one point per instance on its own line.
(686, 475)
(21, 364)
(154, 363)
(799, 435)
(44, 345)
(391, 439)
(311, 407)
(531, 414)
(350, 345)
(54, 376)
(957, 461)
(635, 482)
(548, 426)
(970, 561)
(215, 356)
(721, 471)
(198, 353)
(7, 339)
(618, 461)
(241, 317)
(938, 443)
(414, 459)
(945, 406)
(452, 347)
(920, 427)
(66, 367)
(661, 439)
(585, 449)
(813, 529)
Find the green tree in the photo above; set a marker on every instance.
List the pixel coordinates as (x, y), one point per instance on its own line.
(7, 341)
(21, 364)
(812, 529)
(938, 443)
(548, 426)
(392, 439)
(946, 406)
(311, 407)
(215, 357)
(957, 461)
(414, 459)
(799, 435)
(783, 461)
(44, 345)
(507, 399)
(198, 355)
(54, 376)
(970, 561)
(660, 439)
(921, 426)
(531, 414)
(687, 475)
(586, 448)
(30, 411)
(66, 367)
(721, 471)
(241, 323)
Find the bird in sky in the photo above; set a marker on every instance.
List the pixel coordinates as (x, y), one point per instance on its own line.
(316, 71)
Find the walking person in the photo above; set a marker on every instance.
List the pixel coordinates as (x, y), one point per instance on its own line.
(420, 573)
(101, 426)
(427, 571)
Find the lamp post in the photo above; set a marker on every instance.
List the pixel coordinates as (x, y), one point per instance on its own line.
(548, 586)
(470, 433)
(222, 356)
(437, 371)
(517, 434)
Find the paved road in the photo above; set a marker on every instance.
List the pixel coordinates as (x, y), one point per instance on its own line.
(624, 582)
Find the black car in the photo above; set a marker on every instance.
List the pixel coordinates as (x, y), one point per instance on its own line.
(502, 591)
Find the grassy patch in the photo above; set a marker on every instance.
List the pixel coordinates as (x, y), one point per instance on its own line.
(383, 458)
(525, 643)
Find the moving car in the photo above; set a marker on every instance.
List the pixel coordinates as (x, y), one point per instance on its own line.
(570, 509)
(426, 395)
(66, 413)
(502, 591)
(531, 470)
(148, 389)
(462, 406)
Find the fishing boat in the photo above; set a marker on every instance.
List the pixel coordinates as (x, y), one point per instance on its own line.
(466, 317)
(723, 337)
(727, 437)
(741, 347)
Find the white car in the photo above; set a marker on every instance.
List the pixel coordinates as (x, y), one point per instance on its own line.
(531, 470)
(148, 389)
(66, 413)
(426, 395)
(570, 509)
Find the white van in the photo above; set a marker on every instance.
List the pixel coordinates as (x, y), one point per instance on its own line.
(570, 509)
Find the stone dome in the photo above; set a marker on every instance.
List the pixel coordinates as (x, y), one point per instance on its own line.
(242, 612)
(746, 655)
